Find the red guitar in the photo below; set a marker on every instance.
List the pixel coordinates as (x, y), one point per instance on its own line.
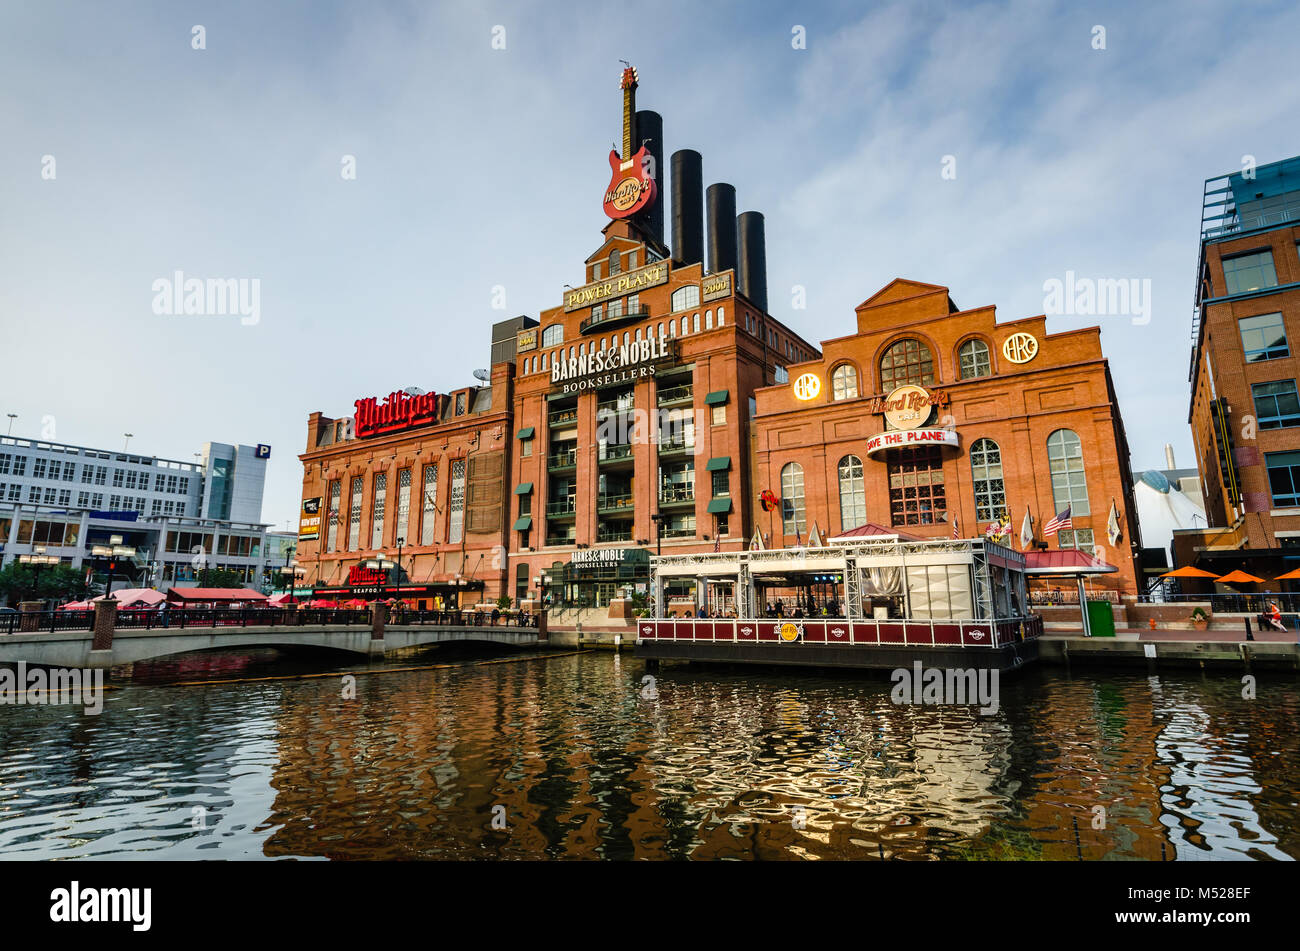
(631, 189)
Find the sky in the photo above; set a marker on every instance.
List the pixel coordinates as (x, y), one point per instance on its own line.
(988, 147)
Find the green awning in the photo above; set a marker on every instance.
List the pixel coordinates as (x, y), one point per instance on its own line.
(523, 523)
(719, 464)
(717, 396)
(523, 488)
(525, 433)
(720, 506)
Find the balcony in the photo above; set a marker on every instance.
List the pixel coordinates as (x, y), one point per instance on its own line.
(606, 319)
(617, 452)
(564, 508)
(562, 460)
(677, 493)
(560, 539)
(679, 532)
(614, 534)
(676, 394)
(624, 404)
(561, 417)
(671, 447)
(615, 502)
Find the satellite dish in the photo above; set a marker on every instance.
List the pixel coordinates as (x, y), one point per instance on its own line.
(413, 391)
(482, 375)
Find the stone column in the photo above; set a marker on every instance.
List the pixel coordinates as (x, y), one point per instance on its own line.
(378, 618)
(30, 619)
(101, 644)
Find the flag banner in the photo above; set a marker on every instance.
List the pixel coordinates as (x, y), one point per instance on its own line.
(1027, 530)
(1059, 521)
(1112, 524)
(815, 538)
(956, 528)
(756, 543)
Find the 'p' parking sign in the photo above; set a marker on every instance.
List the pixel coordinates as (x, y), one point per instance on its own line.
(263, 451)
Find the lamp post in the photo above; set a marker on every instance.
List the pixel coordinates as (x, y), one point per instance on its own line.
(397, 574)
(12, 417)
(113, 550)
(38, 560)
(658, 518)
(288, 554)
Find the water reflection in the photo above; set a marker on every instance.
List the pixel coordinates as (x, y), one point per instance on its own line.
(717, 765)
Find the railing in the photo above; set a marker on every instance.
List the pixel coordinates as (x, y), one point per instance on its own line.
(835, 632)
(1071, 597)
(561, 539)
(668, 494)
(562, 460)
(1243, 603)
(615, 503)
(676, 394)
(49, 621)
(563, 507)
(610, 452)
(641, 310)
(668, 446)
(522, 619)
(560, 416)
(679, 532)
(610, 407)
(611, 535)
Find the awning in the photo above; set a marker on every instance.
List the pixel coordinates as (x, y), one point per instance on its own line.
(719, 464)
(523, 523)
(1065, 561)
(717, 396)
(525, 433)
(720, 506)
(523, 488)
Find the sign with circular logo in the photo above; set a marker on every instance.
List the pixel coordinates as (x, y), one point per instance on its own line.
(807, 386)
(907, 407)
(1020, 348)
(789, 632)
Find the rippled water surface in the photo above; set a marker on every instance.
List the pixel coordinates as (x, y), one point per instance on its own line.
(579, 758)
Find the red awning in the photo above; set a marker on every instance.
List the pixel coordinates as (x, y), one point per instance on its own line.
(215, 594)
(1065, 561)
(871, 529)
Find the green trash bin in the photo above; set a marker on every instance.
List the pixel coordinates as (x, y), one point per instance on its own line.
(1101, 619)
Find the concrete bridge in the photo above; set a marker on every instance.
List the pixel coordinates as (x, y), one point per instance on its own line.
(104, 646)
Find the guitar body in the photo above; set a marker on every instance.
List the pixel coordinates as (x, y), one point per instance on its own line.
(630, 188)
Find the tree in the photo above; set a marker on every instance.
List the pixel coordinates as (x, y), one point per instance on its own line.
(220, 578)
(18, 582)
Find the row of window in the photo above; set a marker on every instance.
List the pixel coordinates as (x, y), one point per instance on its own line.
(910, 362)
(1251, 271)
(56, 470)
(427, 505)
(917, 492)
(673, 328)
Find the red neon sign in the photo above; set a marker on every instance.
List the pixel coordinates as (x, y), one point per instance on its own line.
(398, 411)
(359, 574)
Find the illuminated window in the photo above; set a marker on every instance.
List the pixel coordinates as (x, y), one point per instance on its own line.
(916, 486)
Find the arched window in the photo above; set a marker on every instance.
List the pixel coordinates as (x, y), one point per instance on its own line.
(974, 359)
(908, 361)
(695, 324)
(708, 319)
(684, 298)
(627, 338)
(553, 335)
(1069, 483)
(792, 509)
(853, 494)
(615, 263)
(844, 382)
(722, 316)
(986, 473)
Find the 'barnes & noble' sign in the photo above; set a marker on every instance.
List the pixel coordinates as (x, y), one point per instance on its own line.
(612, 365)
(616, 286)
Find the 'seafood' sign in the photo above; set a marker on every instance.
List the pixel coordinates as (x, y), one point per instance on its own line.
(907, 438)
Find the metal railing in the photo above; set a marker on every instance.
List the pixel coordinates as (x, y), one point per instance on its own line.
(563, 507)
(1070, 597)
(676, 394)
(610, 502)
(612, 535)
(610, 452)
(668, 446)
(560, 416)
(562, 460)
(609, 407)
(837, 632)
(668, 494)
(494, 618)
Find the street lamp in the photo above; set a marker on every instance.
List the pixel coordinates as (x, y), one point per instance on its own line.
(289, 553)
(659, 518)
(113, 550)
(37, 561)
(127, 441)
(397, 575)
(12, 417)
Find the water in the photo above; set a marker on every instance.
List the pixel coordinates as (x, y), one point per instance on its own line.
(577, 763)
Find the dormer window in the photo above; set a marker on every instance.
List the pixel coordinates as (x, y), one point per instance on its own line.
(615, 264)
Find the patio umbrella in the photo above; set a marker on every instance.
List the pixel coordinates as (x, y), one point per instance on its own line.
(1289, 576)
(1239, 577)
(1188, 572)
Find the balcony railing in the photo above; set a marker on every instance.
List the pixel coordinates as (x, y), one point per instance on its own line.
(679, 532)
(614, 535)
(676, 394)
(670, 446)
(562, 507)
(561, 416)
(615, 502)
(560, 539)
(605, 317)
(562, 460)
(611, 453)
(611, 407)
(670, 494)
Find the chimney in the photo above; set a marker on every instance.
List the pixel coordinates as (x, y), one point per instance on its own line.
(721, 201)
(688, 207)
(752, 275)
(1169, 456)
(650, 130)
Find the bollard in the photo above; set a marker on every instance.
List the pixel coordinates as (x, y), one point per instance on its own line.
(101, 640)
(29, 619)
(378, 618)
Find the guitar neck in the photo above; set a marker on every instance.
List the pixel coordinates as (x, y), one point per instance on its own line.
(629, 111)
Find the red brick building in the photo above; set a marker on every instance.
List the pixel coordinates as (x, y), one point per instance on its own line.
(934, 421)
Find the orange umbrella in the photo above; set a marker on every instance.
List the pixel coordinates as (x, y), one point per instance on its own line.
(1289, 576)
(1239, 577)
(1188, 572)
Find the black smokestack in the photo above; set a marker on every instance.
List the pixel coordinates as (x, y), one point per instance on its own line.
(650, 132)
(752, 277)
(721, 200)
(688, 207)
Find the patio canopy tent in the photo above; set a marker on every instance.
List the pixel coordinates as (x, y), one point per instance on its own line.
(218, 597)
(1068, 563)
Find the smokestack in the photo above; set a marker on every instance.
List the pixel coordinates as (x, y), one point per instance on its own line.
(752, 276)
(650, 130)
(1169, 456)
(688, 207)
(721, 201)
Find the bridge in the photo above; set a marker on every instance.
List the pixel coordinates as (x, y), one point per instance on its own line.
(95, 639)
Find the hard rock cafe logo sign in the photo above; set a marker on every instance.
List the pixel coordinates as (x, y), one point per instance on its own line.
(632, 186)
(627, 196)
(1020, 348)
(908, 407)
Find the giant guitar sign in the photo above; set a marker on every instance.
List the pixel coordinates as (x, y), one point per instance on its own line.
(632, 187)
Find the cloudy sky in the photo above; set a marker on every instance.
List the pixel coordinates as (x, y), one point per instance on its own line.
(479, 167)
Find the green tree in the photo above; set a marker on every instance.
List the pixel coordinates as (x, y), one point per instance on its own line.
(220, 578)
(60, 583)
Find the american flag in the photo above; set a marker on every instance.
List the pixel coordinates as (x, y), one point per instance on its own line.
(1059, 521)
(717, 541)
(956, 527)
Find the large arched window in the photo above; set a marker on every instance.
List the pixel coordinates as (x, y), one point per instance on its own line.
(990, 490)
(1069, 483)
(615, 262)
(853, 495)
(908, 361)
(553, 335)
(974, 359)
(844, 382)
(792, 509)
(684, 298)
